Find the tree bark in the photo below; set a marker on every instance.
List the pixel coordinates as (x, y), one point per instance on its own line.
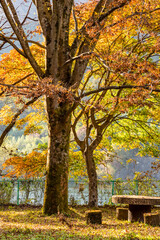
(56, 185)
(56, 32)
(92, 177)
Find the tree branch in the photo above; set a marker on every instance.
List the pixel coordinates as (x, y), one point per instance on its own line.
(13, 121)
(75, 20)
(18, 30)
(105, 15)
(15, 83)
(7, 39)
(132, 15)
(16, 39)
(117, 88)
(44, 14)
(12, 85)
(79, 142)
(78, 56)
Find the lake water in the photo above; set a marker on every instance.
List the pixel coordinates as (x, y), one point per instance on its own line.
(31, 192)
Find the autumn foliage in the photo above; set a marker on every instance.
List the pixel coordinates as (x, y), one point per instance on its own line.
(29, 166)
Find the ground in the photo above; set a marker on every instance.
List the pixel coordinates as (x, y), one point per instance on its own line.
(26, 222)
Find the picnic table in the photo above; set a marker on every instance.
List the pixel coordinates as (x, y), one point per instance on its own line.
(138, 205)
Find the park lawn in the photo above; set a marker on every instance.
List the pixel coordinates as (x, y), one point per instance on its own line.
(26, 222)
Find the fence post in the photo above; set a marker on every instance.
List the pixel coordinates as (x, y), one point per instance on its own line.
(17, 191)
(136, 187)
(112, 187)
(112, 181)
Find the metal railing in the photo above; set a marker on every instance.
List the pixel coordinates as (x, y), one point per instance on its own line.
(23, 191)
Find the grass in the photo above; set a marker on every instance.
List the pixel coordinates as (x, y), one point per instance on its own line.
(24, 222)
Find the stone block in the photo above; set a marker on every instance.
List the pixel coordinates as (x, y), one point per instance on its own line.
(135, 212)
(94, 217)
(122, 213)
(152, 219)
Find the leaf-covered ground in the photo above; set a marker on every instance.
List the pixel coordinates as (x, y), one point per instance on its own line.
(21, 222)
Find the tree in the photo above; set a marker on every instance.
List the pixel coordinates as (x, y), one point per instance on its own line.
(121, 59)
(124, 129)
(66, 61)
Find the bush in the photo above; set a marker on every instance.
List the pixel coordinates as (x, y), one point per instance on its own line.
(6, 188)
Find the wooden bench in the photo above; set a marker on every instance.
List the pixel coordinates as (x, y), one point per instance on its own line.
(138, 205)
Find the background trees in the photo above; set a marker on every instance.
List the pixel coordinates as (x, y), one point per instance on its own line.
(71, 49)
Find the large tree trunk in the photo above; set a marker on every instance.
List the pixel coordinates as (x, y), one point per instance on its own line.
(56, 186)
(92, 176)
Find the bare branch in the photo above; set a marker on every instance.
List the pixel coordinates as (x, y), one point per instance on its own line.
(117, 88)
(93, 118)
(7, 39)
(18, 30)
(79, 142)
(11, 85)
(77, 57)
(75, 20)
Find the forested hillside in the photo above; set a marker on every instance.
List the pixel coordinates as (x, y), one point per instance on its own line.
(123, 164)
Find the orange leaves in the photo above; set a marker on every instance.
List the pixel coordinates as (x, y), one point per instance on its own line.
(16, 69)
(14, 66)
(31, 165)
(45, 87)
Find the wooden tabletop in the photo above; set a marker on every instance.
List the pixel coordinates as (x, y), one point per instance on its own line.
(136, 199)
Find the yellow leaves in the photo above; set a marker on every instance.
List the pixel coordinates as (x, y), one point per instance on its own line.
(19, 123)
(77, 164)
(32, 129)
(155, 113)
(31, 165)
(6, 115)
(32, 122)
(131, 161)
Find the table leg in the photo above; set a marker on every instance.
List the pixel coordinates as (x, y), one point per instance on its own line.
(135, 212)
